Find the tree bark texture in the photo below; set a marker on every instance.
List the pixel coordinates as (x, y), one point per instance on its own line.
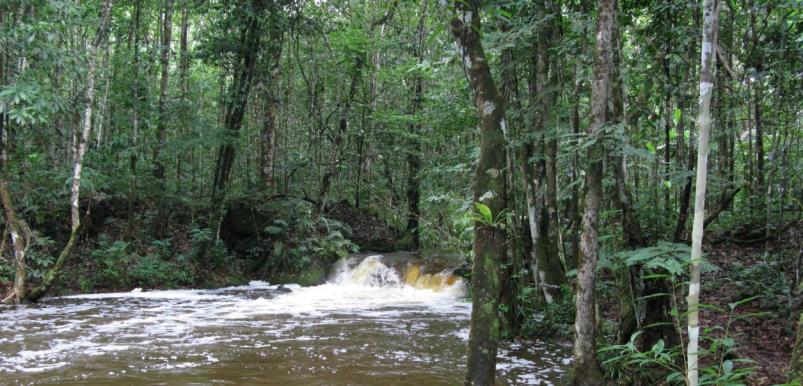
(586, 366)
(707, 65)
(489, 190)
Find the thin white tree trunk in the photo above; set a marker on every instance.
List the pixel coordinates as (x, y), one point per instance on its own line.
(708, 60)
(78, 160)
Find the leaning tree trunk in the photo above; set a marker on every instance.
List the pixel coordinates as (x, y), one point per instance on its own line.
(19, 237)
(18, 243)
(707, 63)
(89, 98)
(586, 366)
(16, 228)
(489, 192)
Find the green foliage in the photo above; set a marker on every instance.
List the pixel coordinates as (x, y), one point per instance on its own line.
(720, 365)
(39, 256)
(152, 271)
(544, 320)
(111, 260)
(300, 240)
(200, 235)
(765, 279)
(116, 266)
(665, 257)
(23, 105)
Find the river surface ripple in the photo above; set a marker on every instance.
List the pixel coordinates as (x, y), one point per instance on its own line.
(374, 332)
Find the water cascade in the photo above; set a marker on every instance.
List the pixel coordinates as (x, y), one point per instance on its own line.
(390, 319)
(373, 272)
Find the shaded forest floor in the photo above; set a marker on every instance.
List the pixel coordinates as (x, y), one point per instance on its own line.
(759, 281)
(766, 327)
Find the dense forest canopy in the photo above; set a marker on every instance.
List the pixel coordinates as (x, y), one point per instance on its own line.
(570, 150)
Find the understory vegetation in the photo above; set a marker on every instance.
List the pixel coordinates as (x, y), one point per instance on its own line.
(622, 175)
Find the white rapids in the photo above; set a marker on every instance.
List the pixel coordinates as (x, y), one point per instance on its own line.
(366, 325)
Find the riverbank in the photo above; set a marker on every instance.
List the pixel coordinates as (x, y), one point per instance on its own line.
(278, 239)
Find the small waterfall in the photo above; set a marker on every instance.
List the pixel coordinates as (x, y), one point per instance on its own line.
(373, 272)
(413, 277)
(370, 272)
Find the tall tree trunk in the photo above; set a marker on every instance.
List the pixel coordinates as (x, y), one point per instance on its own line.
(184, 87)
(707, 65)
(160, 222)
(133, 158)
(543, 173)
(236, 103)
(268, 133)
(629, 315)
(657, 320)
(78, 163)
(586, 366)
(668, 110)
(685, 197)
(489, 192)
(758, 96)
(413, 154)
(622, 198)
(162, 118)
(512, 281)
(339, 135)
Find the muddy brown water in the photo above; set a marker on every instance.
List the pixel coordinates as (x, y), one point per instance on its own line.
(371, 324)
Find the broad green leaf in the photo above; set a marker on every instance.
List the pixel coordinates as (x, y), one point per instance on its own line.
(484, 211)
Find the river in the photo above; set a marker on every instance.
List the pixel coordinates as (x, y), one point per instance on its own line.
(372, 323)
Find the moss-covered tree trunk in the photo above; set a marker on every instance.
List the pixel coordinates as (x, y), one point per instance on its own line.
(78, 163)
(489, 190)
(586, 367)
(708, 62)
